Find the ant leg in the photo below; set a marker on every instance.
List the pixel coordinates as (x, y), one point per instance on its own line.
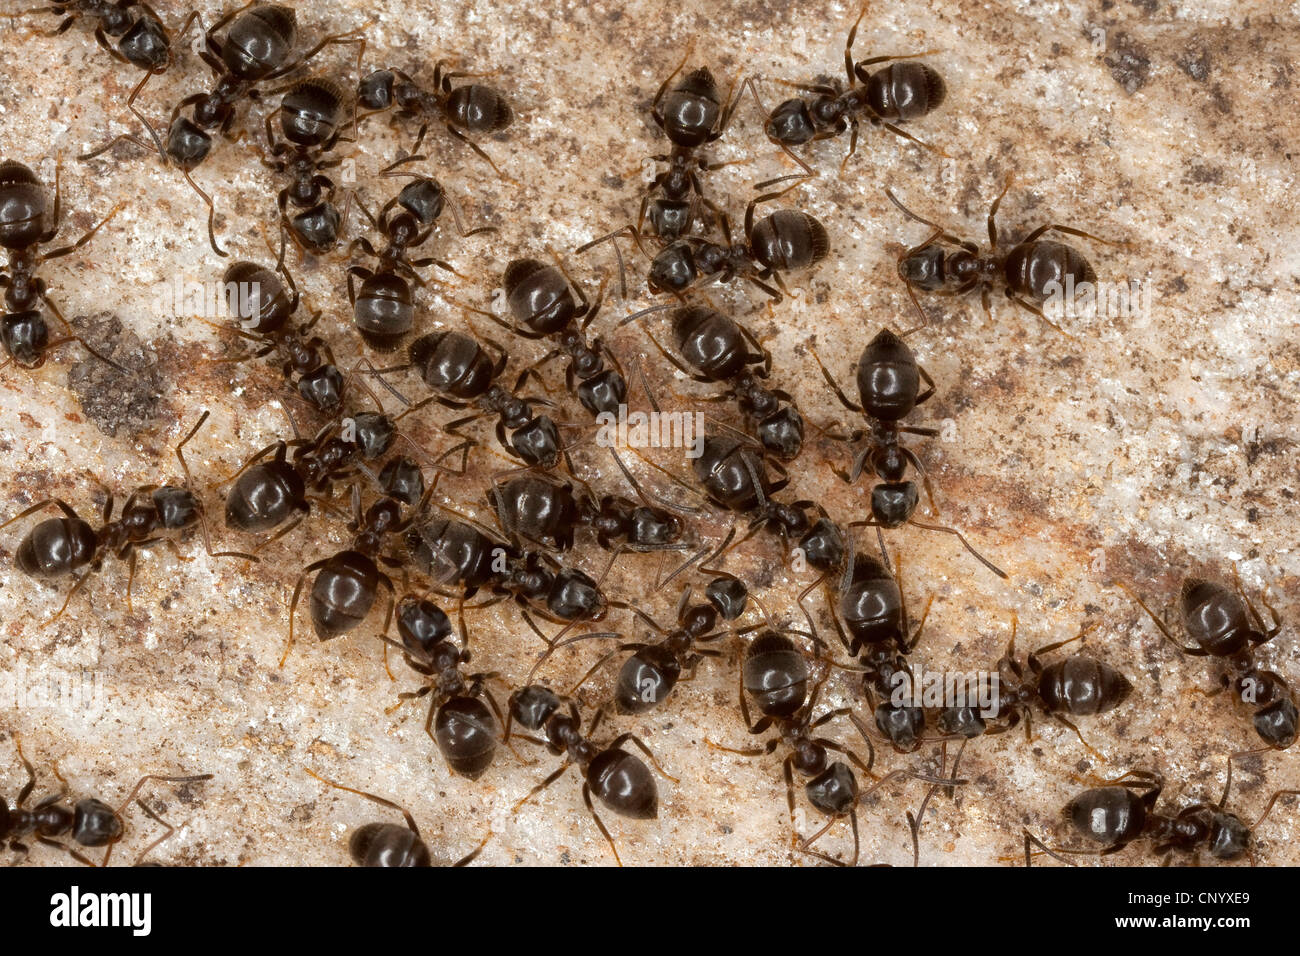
(66, 601)
(1077, 733)
(30, 785)
(1190, 651)
(480, 151)
(410, 820)
(586, 798)
(57, 502)
(634, 739)
(1069, 231)
(848, 45)
(293, 605)
(835, 386)
(993, 211)
(544, 784)
(966, 544)
(90, 234)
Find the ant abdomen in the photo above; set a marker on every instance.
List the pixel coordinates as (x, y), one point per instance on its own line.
(903, 90)
(1040, 269)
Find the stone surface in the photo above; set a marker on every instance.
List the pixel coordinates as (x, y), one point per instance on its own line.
(1140, 449)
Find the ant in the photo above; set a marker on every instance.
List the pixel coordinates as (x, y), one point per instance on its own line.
(59, 547)
(722, 351)
(1077, 686)
(896, 94)
(461, 373)
(384, 306)
(473, 108)
(775, 676)
(387, 844)
(26, 223)
(1123, 812)
(619, 779)
(129, 30)
(873, 610)
(541, 298)
(1031, 272)
(348, 582)
(461, 554)
(648, 676)
(548, 513)
(691, 114)
(1223, 623)
(266, 306)
(783, 241)
(89, 822)
(264, 494)
(889, 388)
(258, 46)
(462, 726)
(311, 118)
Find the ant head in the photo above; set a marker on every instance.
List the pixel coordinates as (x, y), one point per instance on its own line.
(532, 706)
(1229, 836)
(924, 268)
(834, 791)
(791, 123)
(674, 269)
(728, 596)
(894, 502)
(145, 44)
(422, 626)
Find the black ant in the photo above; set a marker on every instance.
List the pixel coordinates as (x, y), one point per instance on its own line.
(691, 114)
(1079, 686)
(1223, 623)
(775, 676)
(873, 610)
(348, 582)
(547, 513)
(258, 46)
(462, 726)
(384, 306)
(461, 554)
(26, 223)
(783, 241)
(889, 388)
(896, 94)
(59, 547)
(619, 779)
(265, 493)
(265, 307)
(89, 822)
(462, 374)
(648, 676)
(311, 118)
(1031, 272)
(130, 30)
(387, 844)
(472, 108)
(720, 350)
(1123, 812)
(542, 301)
